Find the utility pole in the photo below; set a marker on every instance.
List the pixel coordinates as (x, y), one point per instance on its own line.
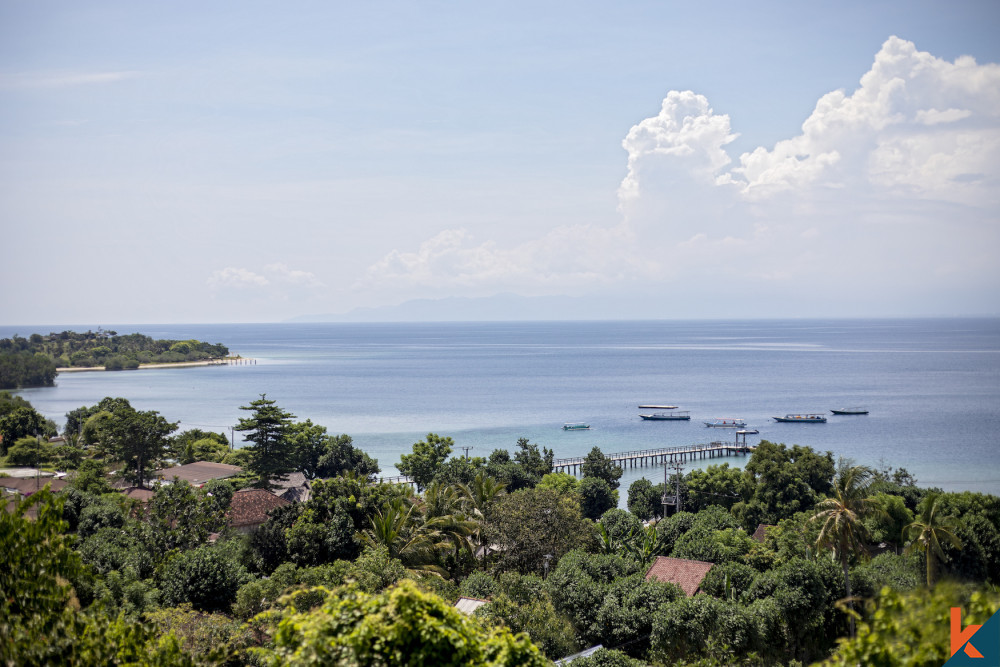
(466, 448)
(676, 500)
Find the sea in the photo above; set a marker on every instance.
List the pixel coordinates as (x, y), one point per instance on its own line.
(931, 386)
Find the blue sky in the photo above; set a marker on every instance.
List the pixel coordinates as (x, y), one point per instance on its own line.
(217, 162)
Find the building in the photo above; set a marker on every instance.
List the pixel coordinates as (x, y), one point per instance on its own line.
(687, 574)
(198, 473)
(249, 508)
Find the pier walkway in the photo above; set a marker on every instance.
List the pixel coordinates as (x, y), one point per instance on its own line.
(644, 457)
(638, 458)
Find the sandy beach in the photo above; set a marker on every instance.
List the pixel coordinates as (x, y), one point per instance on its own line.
(179, 364)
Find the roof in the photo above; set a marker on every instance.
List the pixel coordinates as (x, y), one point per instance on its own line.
(135, 493)
(295, 479)
(685, 573)
(199, 472)
(250, 507)
(761, 531)
(28, 485)
(469, 605)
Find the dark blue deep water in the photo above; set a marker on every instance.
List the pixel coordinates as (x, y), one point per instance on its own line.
(932, 385)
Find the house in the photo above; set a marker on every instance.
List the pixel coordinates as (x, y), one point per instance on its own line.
(468, 605)
(249, 508)
(199, 472)
(761, 531)
(687, 574)
(295, 488)
(25, 486)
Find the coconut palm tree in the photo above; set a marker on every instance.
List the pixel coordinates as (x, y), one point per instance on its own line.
(841, 518)
(929, 529)
(399, 530)
(477, 497)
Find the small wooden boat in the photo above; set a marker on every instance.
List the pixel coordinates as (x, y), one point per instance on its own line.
(726, 422)
(850, 411)
(809, 418)
(682, 415)
(657, 407)
(576, 426)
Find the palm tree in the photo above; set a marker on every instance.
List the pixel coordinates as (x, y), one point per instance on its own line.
(929, 529)
(414, 543)
(841, 515)
(477, 497)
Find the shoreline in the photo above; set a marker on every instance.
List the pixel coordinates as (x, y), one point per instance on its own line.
(176, 364)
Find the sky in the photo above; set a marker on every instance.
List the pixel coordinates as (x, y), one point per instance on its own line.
(249, 161)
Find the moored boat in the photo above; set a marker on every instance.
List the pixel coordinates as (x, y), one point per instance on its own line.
(576, 426)
(850, 411)
(808, 418)
(680, 415)
(726, 422)
(657, 407)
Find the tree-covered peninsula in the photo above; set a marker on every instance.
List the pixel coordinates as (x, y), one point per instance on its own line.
(34, 361)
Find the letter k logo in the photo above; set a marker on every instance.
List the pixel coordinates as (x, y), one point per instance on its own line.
(960, 637)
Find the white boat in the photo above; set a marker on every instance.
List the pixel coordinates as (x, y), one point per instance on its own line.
(726, 422)
(657, 407)
(681, 415)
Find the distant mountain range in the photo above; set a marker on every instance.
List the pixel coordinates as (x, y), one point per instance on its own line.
(499, 307)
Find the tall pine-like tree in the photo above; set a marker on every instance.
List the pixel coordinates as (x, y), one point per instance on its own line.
(272, 451)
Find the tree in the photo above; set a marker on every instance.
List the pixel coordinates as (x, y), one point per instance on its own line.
(644, 499)
(182, 517)
(207, 577)
(322, 455)
(913, 628)
(422, 465)
(596, 497)
(400, 626)
(21, 422)
(842, 518)
(596, 464)
(929, 530)
(781, 481)
(533, 528)
(272, 451)
(137, 439)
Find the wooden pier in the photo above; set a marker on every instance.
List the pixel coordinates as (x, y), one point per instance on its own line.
(644, 457)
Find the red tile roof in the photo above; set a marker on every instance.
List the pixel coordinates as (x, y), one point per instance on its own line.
(250, 507)
(685, 573)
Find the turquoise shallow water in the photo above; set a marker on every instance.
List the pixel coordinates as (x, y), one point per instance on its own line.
(932, 385)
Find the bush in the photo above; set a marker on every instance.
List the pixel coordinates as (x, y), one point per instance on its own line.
(205, 577)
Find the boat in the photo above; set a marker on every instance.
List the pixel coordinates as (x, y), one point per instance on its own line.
(809, 418)
(681, 415)
(657, 407)
(576, 426)
(850, 411)
(727, 422)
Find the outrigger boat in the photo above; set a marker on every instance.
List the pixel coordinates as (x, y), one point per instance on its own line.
(734, 422)
(681, 415)
(850, 411)
(805, 418)
(576, 426)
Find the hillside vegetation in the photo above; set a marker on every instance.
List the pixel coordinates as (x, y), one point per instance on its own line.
(33, 361)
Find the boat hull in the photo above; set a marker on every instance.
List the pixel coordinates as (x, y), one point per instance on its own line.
(849, 412)
(666, 418)
(801, 420)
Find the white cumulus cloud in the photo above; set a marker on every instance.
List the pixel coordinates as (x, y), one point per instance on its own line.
(236, 277)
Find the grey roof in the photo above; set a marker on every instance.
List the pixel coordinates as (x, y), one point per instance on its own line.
(199, 472)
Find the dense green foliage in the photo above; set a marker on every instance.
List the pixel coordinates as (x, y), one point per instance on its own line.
(365, 573)
(32, 362)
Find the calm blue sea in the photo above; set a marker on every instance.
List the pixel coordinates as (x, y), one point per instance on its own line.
(932, 385)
